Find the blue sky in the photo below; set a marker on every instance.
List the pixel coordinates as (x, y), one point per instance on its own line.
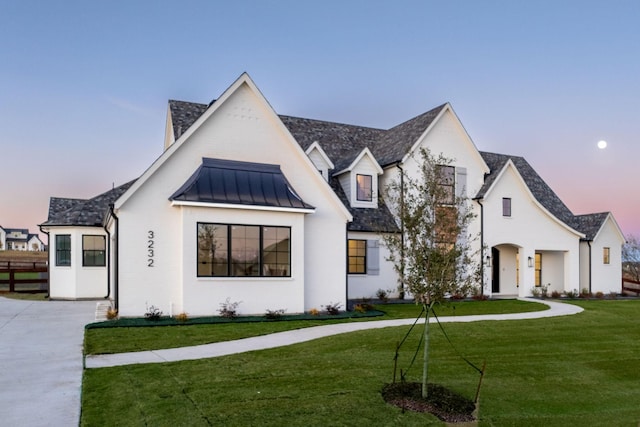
(84, 85)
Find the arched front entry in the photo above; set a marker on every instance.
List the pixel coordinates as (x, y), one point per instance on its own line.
(505, 270)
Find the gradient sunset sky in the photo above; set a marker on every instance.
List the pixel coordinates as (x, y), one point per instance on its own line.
(84, 84)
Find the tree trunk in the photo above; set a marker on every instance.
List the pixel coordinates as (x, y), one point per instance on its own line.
(425, 363)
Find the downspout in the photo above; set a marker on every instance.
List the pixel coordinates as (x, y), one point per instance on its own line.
(401, 293)
(588, 243)
(481, 246)
(108, 256)
(48, 259)
(346, 265)
(115, 257)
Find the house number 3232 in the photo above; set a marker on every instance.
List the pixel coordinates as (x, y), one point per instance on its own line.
(150, 247)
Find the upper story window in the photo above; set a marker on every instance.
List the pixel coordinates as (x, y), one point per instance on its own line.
(364, 192)
(63, 250)
(447, 183)
(226, 250)
(606, 255)
(506, 206)
(93, 251)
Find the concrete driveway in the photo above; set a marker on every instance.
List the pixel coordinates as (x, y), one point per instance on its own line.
(41, 361)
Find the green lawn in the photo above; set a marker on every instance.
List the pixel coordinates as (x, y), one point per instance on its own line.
(120, 340)
(569, 371)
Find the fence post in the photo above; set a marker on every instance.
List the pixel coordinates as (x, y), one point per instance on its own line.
(12, 283)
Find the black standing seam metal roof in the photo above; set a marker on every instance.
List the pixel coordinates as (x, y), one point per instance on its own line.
(240, 183)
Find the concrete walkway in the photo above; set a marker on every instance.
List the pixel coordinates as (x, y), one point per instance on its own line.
(302, 335)
(41, 361)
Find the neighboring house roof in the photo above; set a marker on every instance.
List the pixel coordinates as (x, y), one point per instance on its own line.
(239, 183)
(89, 212)
(34, 236)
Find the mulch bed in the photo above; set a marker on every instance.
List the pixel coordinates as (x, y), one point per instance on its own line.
(441, 402)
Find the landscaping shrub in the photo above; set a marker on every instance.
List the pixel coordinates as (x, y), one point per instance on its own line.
(229, 309)
(153, 313)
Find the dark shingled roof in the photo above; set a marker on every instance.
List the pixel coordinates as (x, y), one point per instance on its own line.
(244, 183)
(343, 143)
(590, 224)
(366, 219)
(90, 212)
(395, 143)
(184, 114)
(540, 190)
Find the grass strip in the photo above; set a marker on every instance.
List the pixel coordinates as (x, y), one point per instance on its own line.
(573, 370)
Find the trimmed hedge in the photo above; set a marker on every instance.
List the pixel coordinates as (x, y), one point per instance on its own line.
(132, 322)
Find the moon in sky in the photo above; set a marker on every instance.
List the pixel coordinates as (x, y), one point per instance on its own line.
(602, 144)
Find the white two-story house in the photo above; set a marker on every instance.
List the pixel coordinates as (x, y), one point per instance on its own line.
(282, 212)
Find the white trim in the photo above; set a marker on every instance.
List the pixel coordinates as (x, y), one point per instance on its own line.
(239, 206)
(357, 160)
(615, 223)
(316, 146)
(446, 108)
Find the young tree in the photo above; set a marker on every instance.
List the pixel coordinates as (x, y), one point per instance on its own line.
(432, 255)
(631, 258)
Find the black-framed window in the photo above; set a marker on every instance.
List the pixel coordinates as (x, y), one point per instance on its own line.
(447, 184)
(506, 206)
(94, 250)
(357, 252)
(234, 250)
(364, 184)
(606, 255)
(63, 250)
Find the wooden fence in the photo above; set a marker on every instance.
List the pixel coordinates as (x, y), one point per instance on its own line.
(24, 276)
(630, 287)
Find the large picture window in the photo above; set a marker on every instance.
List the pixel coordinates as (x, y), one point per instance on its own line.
(364, 191)
(357, 256)
(93, 251)
(229, 250)
(63, 250)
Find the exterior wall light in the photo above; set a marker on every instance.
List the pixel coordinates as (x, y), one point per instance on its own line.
(530, 262)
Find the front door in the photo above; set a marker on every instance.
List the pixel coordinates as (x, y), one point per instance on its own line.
(495, 271)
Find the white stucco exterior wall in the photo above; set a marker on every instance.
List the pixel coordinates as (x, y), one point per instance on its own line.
(531, 229)
(607, 278)
(367, 285)
(76, 281)
(243, 127)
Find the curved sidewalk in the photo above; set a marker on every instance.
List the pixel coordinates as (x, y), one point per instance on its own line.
(302, 335)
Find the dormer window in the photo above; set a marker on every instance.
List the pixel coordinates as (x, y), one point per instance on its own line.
(364, 192)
